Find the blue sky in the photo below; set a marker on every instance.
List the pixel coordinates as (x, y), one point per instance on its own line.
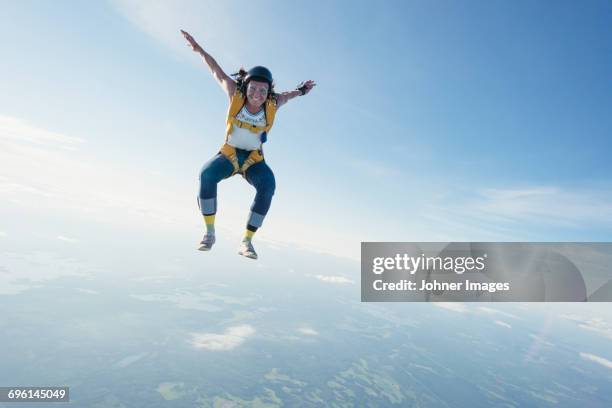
(431, 120)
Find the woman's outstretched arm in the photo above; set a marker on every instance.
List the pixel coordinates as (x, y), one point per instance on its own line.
(227, 83)
(302, 89)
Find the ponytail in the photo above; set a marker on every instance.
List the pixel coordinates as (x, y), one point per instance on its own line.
(239, 78)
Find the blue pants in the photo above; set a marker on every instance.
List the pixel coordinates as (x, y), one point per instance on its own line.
(259, 175)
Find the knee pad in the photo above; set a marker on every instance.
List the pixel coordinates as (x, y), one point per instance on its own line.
(207, 206)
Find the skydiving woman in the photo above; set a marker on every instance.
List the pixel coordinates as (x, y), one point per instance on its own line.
(252, 107)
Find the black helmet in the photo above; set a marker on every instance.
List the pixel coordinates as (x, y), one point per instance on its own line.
(259, 73)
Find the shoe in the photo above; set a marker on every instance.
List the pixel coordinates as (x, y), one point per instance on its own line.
(246, 249)
(207, 242)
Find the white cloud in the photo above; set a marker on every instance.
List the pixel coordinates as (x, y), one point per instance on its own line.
(596, 325)
(23, 271)
(513, 214)
(308, 331)
(182, 300)
(599, 326)
(597, 359)
(211, 23)
(452, 306)
(67, 239)
(2, 234)
(126, 361)
(158, 278)
(15, 129)
(490, 310)
(545, 205)
(539, 340)
(503, 324)
(332, 279)
(231, 338)
(89, 291)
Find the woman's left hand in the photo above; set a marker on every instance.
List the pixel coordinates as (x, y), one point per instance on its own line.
(307, 86)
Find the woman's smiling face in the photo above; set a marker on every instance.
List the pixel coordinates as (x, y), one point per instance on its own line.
(257, 92)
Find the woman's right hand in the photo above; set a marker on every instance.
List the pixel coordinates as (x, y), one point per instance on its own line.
(192, 43)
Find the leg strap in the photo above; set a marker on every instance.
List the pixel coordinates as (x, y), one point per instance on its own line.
(230, 153)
